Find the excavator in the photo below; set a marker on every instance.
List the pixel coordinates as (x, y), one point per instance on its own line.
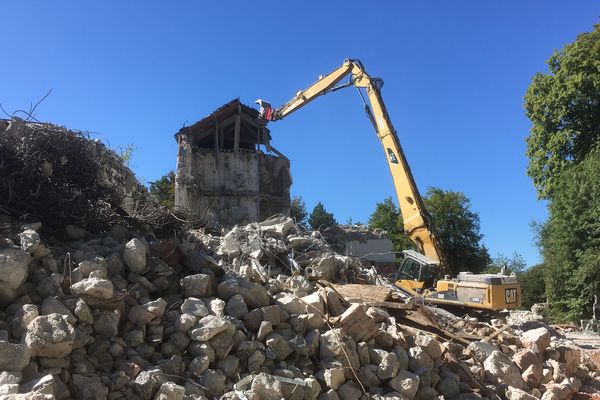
(422, 274)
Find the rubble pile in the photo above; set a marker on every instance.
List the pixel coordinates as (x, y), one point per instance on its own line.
(61, 177)
(247, 315)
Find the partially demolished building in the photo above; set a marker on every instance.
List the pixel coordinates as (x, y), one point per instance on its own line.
(227, 169)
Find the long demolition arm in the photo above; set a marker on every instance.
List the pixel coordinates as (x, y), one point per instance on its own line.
(417, 222)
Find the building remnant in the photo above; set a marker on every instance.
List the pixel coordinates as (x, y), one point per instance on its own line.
(223, 173)
(368, 244)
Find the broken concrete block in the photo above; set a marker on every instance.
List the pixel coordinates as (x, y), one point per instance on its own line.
(332, 377)
(313, 303)
(329, 395)
(388, 367)
(14, 265)
(419, 358)
(209, 326)
(264, 330)
(429, 344)
(269, 388)
(236, 306)
(134, 255)
(254, 295)
(525, 358)
(290, 303)
(277, 226)
(350, 391)
(195, 307)
(198, 285)
(30, 240)
(144, 313)
(448, 388)
(325, 268)
(26, 314)
(335, 346)
(571, 357)
(500, 367)
(536, 340)
(513, 393)
(170, 391)
(13, 357)
(94, 287)
(278, 347)
(533, 375)
(405, 383)
(272, 314)
(356, 323)
(50, 336)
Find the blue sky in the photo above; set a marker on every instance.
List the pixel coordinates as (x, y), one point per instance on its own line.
(455, 74)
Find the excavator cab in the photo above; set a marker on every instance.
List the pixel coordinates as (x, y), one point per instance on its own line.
(416, 271)
(420, 276)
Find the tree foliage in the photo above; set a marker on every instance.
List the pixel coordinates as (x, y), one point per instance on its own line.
(564, 108)
(456, 225)
(570, 241)
(564, 160)
(533, 288)
(515, 263)
(163, 189)
(387, 217)
(320, 218)
(458, 230)
(298, 210)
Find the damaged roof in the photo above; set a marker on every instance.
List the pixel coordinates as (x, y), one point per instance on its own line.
(220, 114)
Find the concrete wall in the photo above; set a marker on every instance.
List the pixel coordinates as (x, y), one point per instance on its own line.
(232, 187)
(114, 172)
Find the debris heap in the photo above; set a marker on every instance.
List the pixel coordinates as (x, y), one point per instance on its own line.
(252, 314)
(58, 176)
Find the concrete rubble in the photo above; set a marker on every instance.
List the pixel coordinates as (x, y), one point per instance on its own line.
(246, 315)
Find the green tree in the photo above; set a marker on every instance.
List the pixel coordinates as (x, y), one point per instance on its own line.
(298, 210)
(564, 108)
(163, 189)
(533, 288)
(515, 263)
(387, 217)
(320, 218)
(570, 241)
(458, 230)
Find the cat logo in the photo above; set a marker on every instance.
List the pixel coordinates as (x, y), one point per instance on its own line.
(510, 295)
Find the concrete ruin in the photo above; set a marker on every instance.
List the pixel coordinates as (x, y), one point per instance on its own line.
(228, 171)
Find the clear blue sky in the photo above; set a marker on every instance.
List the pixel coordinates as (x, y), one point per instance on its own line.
(455, 75)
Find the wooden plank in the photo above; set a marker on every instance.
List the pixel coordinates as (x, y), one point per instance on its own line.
(493, 335)
(236, 135)
(363, 293)
(394, 305)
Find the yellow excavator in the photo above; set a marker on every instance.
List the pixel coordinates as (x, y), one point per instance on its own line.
(421, 274)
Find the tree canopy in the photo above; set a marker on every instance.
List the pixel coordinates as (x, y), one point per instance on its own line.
(564, 159)
(320, 218)
(387, 217)
(570, 241)
(458, 230)
(163, 189)
(515, 263)
(564, 108)
(456, 225)
(298, 210)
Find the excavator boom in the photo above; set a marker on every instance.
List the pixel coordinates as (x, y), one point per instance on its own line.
(417, 222)
(418, 273)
